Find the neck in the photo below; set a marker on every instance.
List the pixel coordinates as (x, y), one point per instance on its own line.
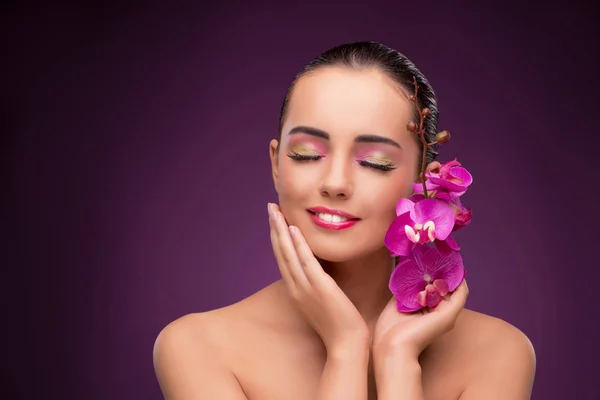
(365, 281)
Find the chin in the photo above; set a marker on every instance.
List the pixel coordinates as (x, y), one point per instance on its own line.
(340, 248)
(333, 256)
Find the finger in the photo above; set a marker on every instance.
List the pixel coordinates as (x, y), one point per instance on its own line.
(313, 270)
(453, 303)
(287, 250)
(283, 269)
(459, 297)
(457, 300)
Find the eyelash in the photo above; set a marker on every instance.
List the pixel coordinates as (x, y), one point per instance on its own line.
(305, 157)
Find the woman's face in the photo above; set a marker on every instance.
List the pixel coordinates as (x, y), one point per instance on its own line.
(344, 150)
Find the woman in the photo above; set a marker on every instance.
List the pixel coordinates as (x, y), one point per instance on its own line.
(329, 329)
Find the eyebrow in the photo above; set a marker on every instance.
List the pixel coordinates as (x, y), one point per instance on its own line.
(364, 138)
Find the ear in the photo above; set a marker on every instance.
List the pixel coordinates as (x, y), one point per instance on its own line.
(274, 155)
(433, 167)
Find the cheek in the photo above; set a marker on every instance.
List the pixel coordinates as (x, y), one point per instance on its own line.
(382, 196)
(294, 184)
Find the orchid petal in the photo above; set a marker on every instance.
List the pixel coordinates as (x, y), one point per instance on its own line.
(446, 266)
(452, 243)
(416, 197)
(411, 234)
(430, 228)
(444, 168)
(433, 297)
(438, 211)
(447, 246)
(422, 298)
(441, 286)
(418, 187)
(406, 282)
(452, 186)
(455, 199)
(404, 205)
(396, 239)
(425, 258)
(402, 308)
(429, 297)
(462, 219)
(462, 174)
(408, 278)
(442, 195)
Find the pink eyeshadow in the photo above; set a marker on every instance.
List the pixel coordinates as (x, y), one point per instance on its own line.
(315, 144)
(378, 152)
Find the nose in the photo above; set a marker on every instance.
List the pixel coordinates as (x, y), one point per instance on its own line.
(337, 182)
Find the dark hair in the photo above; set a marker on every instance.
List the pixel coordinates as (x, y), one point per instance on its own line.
(364, 55)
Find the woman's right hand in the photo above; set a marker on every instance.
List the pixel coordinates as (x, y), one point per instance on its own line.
(324, 305)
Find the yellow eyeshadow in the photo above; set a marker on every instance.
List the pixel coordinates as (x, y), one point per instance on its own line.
(379, 159)
(303, 149)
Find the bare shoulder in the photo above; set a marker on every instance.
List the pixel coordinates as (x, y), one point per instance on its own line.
(500, 357)
(194, 332)
(489, 335)
(214, 331)
(195, 355)
(190, 359)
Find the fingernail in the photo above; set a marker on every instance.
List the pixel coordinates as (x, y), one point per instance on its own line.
(292, 230)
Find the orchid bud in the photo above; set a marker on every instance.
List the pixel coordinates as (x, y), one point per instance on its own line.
(411, 126)
(442, 137)
(425, 111)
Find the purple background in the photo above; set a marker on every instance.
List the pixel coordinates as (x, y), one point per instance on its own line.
(135, 151)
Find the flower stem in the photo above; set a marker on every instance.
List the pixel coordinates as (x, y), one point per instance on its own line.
(421, 136)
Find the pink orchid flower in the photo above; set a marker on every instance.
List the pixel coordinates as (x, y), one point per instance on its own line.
(452, 177)
(424, 278)
(449, 243)
(428, 220)
(462, 214)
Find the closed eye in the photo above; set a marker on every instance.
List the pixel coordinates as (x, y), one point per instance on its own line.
(314, 157)
(304, 157)
(380, 167)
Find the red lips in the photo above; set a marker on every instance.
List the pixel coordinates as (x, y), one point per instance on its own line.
(349, 219)
(319, 209)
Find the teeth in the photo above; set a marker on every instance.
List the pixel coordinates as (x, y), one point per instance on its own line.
(331, 218)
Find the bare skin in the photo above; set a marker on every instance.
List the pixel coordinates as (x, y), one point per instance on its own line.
(328, 329)
(266, 351)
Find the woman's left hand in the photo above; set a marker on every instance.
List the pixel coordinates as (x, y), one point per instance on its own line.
(408, 334)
